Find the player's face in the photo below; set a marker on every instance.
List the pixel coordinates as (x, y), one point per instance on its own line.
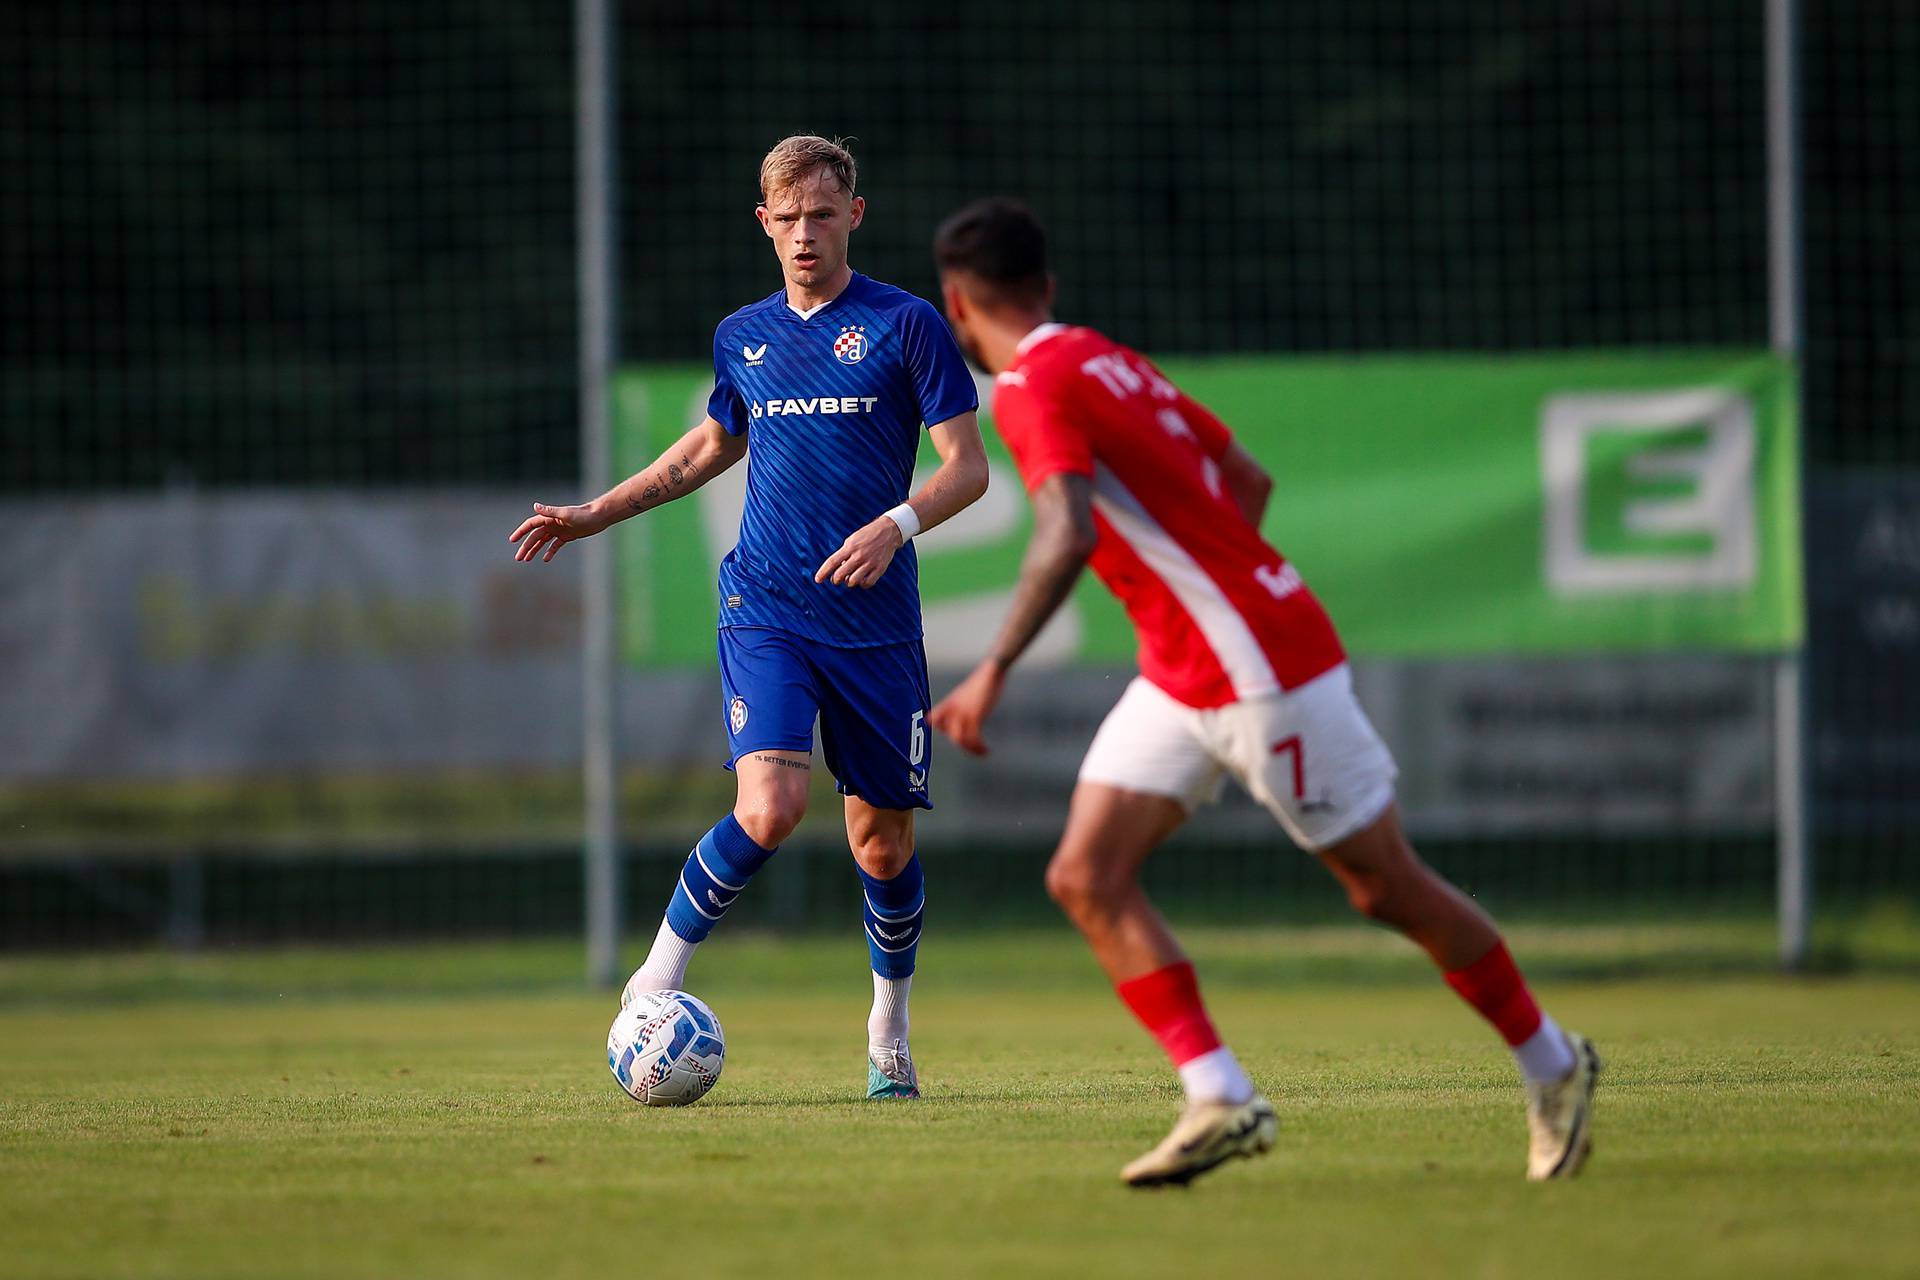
(809, 223)
(961, 315)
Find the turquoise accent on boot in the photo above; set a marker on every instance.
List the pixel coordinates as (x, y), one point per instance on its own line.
(881, 1085)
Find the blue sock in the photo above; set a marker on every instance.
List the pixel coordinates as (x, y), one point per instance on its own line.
(716, 871)
(893, 910)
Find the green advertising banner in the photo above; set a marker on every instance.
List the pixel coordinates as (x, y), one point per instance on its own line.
(1438, 505)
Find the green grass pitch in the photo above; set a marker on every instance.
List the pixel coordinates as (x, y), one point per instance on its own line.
(448, 1111)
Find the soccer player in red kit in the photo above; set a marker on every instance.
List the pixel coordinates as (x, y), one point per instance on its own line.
(1241, 673)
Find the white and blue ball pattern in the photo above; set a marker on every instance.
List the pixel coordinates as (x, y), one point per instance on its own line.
(666, 1048)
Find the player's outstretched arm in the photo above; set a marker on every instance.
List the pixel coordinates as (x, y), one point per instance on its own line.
(696, 458)
(960, 480)
(1063, 538)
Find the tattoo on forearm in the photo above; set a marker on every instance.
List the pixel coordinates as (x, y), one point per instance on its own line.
(783, 762)
(678, 474)
(1046, 580)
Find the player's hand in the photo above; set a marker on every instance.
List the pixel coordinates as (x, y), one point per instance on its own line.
(552, 528)
(963, 713)
(864, 556)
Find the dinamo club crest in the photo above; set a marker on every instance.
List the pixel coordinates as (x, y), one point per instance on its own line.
(737, 714)
(851, 346)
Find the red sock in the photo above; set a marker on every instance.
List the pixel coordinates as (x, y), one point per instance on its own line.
(1493, 985)
(1167, 1002)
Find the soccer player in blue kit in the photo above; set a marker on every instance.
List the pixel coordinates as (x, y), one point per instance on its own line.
(824, 386)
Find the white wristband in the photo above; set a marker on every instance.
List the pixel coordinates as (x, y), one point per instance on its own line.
(903, 515)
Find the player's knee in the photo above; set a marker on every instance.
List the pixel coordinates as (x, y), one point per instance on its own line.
(768, 819)
(1078, 885)
(1379, 898)
(1367, 897)
(882, 854)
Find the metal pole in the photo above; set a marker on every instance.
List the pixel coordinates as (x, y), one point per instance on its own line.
(594, 33)
(1783, 179)
(1793, 871)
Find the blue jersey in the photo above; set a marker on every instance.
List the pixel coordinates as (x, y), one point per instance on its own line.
(833, 404)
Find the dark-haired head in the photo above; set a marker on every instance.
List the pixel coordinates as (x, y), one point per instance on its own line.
(992, 257)
(1001, 246)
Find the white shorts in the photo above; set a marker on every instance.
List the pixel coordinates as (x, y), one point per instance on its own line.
(1309, 755)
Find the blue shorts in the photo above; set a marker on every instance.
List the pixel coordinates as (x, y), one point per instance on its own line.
(871, 702)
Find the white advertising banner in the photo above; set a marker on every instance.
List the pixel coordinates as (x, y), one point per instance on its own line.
(265, 632)
(326, 636)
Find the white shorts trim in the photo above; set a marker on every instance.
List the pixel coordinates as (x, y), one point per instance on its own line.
(1309, 756)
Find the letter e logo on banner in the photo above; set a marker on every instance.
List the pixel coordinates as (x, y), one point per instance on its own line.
(1648, 491)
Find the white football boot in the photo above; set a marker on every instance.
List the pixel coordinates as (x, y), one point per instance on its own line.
(639, 983)
(1560, 1116)
(1205, 1135)
(890, 1072)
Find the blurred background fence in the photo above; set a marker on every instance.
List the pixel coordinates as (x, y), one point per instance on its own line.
(290, 340)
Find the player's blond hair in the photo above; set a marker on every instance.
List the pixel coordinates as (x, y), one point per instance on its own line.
(799, 157)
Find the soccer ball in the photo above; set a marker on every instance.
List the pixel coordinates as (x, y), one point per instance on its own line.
(665, 1048)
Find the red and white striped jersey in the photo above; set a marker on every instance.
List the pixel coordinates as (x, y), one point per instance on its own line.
(1221, 616)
